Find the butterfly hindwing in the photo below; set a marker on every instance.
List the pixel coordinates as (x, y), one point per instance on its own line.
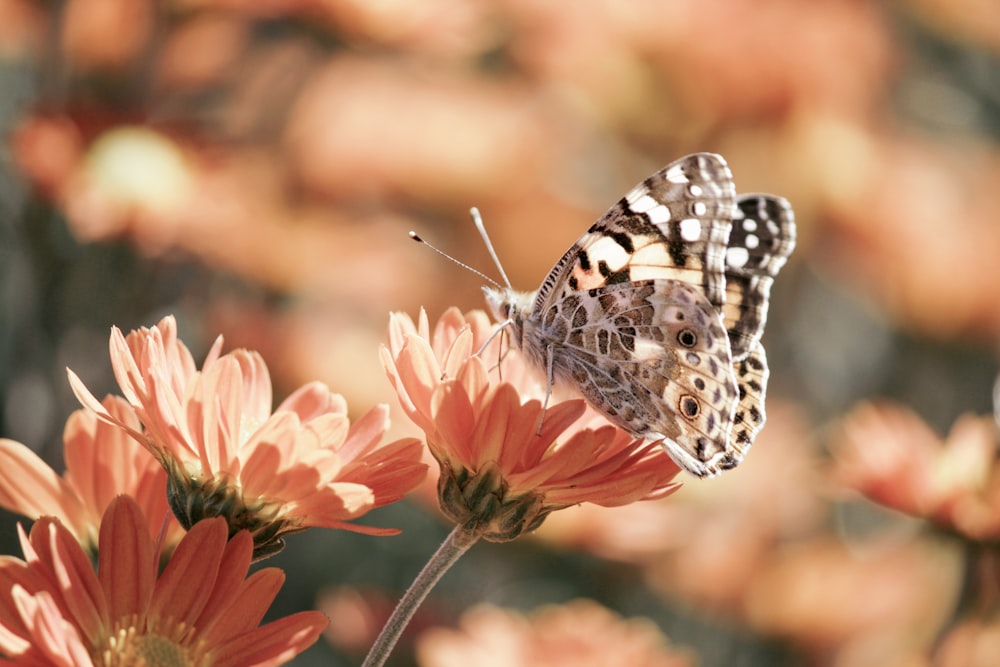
(761, 239)
(749, 417)
(652, 356)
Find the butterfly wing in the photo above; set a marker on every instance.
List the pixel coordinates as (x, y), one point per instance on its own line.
(673, 225)
(749, 418)
(656, 313)
(761, 239)
(653, 357)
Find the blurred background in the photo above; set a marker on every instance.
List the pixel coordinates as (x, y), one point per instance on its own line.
(254, 168)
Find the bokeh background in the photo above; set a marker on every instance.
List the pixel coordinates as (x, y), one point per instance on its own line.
(254, 168)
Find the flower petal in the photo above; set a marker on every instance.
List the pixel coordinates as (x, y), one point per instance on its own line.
(28, 486)
(186, 584)
(227, 596)
(56, 550)
(246, 607)
(57, 640)
(127, 566)
(273, 644)
(312, 400)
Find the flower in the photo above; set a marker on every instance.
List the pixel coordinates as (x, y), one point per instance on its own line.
(227, 454)
(101, 463)
(506, 460)
(581, 632)
(360, 614)
(970, 643)
(202, 610)
(883, 596)
(894, 458)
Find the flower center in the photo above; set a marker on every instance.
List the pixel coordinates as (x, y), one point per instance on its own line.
(131, 647)
(161, 652)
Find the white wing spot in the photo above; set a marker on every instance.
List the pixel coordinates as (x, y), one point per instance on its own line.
(751, 241)
(749, 225)
(610, 252)
(737, 257)
(690, 229)
(643, 203)
(676, 175)
(635, 194)
(646, 349)
(659, 215)
(699, 208)
(695, 190)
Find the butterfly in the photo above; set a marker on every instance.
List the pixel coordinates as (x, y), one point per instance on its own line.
(656, 313)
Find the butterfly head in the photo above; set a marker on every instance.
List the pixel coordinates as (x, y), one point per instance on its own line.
(507, 306)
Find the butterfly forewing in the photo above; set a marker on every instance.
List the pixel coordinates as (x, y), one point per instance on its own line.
(673, 225)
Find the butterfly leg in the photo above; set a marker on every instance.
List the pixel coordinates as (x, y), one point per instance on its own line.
(550, 359)
(501, 331)
(501, 351)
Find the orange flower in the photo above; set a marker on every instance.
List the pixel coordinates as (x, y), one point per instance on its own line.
(202, 610)
(970, 643)
(101, 462)
(227, 454)
(893, 457)
(883, 597)
(579, 633)
(501, 473)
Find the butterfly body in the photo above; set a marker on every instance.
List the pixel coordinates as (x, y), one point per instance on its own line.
(655, 314)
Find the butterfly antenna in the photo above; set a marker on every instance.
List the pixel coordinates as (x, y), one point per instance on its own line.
(415, 237)
(478, 221)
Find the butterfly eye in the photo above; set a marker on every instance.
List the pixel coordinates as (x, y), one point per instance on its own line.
(687, 338)
(689, 406)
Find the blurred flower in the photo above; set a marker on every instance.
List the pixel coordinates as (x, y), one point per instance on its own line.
(202, 51)
(360, 614)
(102, 461)
(902, 188)
(91, 175)
(460, 136)
(112, 189)
(203, 609)
(48, 150)
(22, 28)
(507, 462)
(441, 28)
(221, 206)
(85, 27)
(846, 47)
(894, 458)
(580, 633)
(868, 603)
(973, 643)
(227, 454)
(975, 21)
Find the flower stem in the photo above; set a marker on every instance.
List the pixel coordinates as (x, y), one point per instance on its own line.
(457, 543)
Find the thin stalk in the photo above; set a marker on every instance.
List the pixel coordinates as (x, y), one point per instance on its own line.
(457, 543)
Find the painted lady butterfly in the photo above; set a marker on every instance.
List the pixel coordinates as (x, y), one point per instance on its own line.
(656, 313)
